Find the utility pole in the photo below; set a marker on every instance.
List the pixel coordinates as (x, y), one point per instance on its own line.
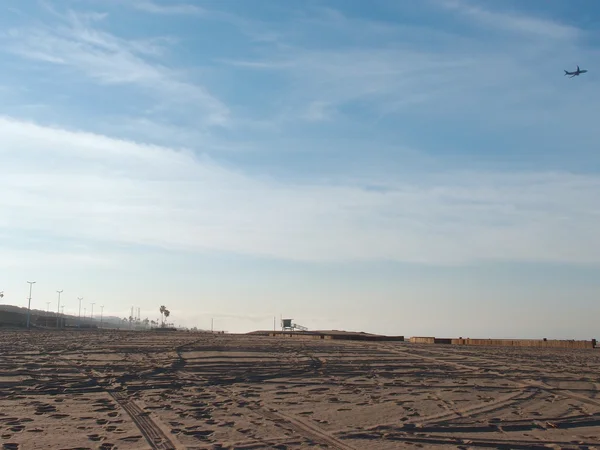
(101, 314)
(79, 319)
(58, 310)
(31, 283)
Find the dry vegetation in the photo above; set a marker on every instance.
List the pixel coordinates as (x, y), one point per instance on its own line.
(132, 390)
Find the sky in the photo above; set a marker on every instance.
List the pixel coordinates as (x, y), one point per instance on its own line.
(399, 167)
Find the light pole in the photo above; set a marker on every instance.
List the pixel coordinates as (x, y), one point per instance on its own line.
(58, 310)
(101, 314)
(79, 319)
(92, 315)
(31, 283)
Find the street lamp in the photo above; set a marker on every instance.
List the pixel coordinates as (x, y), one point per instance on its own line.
(58, 310)
(31, 283)
(79, 320)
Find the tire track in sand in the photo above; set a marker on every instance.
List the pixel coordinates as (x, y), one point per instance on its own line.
(534, 384)
(520, 383)
(149, 429)
(307, 429)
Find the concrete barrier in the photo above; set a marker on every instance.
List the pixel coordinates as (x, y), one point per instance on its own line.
(540, 343)
(422, 340)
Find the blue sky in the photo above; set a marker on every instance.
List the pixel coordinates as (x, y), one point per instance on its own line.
(417, 168)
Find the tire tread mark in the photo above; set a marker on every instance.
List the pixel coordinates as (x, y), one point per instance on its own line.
(534, 384)
(307, 429)
(153, 434)
(466, 442)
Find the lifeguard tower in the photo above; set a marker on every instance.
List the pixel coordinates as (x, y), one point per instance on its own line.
(289, 325)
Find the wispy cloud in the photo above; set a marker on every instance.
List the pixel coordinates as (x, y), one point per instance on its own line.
(155, 196)
(107, 59)
(425, 72)
(167, 8)
(512, 21)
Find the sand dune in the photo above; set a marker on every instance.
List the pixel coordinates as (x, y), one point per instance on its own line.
(128, 390)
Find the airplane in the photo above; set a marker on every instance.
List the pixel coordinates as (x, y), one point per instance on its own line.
(576, 73)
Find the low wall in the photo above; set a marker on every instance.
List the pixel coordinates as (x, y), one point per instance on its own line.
(422, 340)
(546, 343)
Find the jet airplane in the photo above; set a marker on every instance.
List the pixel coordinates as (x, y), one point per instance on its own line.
(576, 73)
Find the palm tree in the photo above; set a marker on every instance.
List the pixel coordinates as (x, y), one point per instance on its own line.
(162, 312)
(167, 314)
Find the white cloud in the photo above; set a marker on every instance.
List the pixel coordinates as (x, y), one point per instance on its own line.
(405, 69)
(110, 60)
(512, 22)
(86, 186)
(169, 8)
(318, 111)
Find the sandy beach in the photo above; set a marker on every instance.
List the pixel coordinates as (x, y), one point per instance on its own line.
(176, 390)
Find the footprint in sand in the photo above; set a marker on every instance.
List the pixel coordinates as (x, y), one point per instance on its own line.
(10, 446)
(130, 438)
(321, 389)
(12, 421)
(94, 437)
(44, 409)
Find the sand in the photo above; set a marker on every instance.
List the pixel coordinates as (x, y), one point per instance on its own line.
(149, 390)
